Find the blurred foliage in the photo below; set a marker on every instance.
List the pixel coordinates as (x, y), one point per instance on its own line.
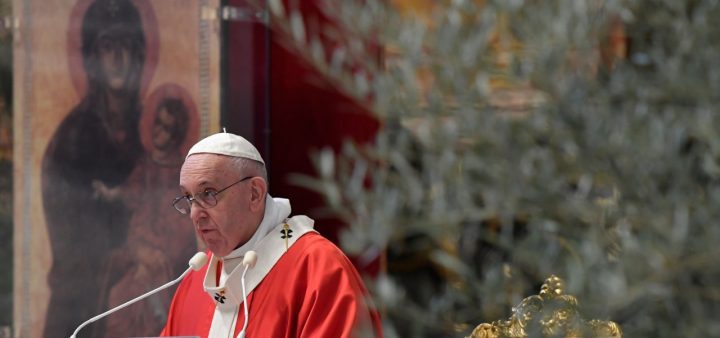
(522, 139)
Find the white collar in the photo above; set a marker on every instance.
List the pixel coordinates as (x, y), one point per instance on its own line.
(229, 294)
(268, 251)
(277, 211)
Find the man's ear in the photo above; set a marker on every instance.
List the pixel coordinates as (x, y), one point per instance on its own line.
(258, 190)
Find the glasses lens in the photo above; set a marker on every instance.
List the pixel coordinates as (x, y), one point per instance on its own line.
(182, 205)
(207, 199)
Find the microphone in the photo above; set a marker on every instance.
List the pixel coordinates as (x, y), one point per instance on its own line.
(249, 261)
(196, 262)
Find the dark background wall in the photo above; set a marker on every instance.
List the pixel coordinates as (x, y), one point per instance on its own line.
(273, 97)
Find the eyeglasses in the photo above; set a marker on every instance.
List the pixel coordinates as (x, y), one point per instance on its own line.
(206, 199)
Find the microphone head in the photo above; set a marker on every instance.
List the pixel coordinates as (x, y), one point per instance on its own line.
(198, 260)
(250, 259)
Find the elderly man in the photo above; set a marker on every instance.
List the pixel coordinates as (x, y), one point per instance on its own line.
(301, 285)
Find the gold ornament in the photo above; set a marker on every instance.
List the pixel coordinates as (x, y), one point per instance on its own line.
(549, 314)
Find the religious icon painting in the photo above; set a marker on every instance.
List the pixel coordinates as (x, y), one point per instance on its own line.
(109, 96)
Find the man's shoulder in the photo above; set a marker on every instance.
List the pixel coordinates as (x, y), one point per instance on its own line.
(315, 243)
(318, 252)
(317, 260)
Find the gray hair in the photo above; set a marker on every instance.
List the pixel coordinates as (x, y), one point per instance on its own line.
(252, 167)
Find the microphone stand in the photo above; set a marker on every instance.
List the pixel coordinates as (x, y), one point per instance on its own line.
(135, 300)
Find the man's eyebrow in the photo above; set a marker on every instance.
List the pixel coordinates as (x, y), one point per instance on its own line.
(202, 184)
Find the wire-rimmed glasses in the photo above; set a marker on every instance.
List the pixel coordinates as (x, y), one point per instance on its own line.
(206, 199)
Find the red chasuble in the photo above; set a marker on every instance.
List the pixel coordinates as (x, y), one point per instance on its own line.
(312, 291)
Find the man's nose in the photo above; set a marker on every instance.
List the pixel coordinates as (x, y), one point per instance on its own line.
(197, 212)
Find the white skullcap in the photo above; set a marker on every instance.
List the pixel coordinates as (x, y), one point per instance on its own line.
(226, 144)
